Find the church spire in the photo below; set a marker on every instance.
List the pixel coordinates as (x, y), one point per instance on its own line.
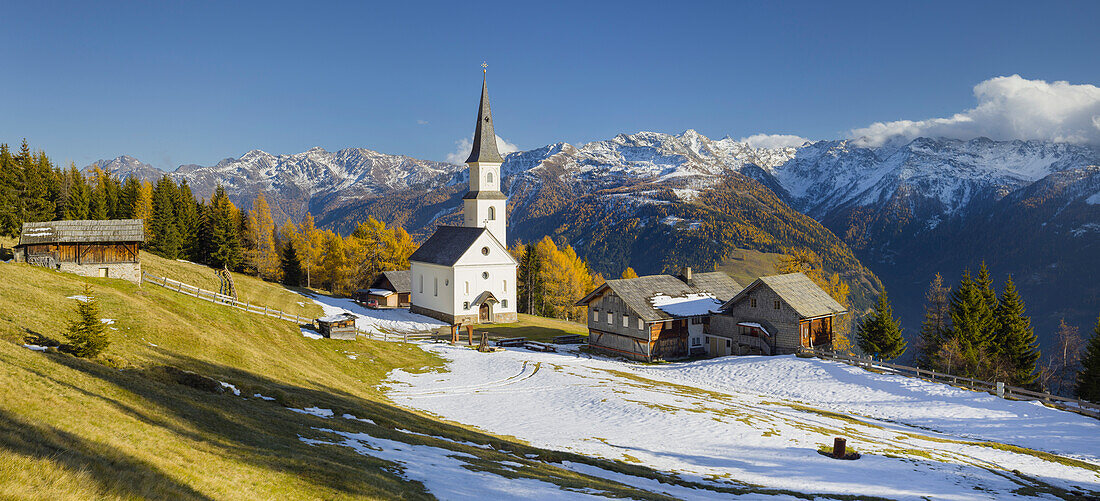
(485, 140)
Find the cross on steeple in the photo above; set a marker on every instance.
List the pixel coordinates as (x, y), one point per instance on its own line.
(484, 65)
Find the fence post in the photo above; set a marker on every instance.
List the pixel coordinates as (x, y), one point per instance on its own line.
(1000, 389)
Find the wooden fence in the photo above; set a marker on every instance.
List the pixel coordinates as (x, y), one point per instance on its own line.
(214, 297)
(1074, 404)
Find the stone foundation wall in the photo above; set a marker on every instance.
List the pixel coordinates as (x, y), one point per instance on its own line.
(124, 271)
(499, 318)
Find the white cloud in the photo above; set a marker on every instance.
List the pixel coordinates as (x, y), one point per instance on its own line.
(464, 145)
(1008, 108)
(421, 122)
(773, 141)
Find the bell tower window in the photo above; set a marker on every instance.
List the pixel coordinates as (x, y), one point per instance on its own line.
(489, 177)
(492, 213)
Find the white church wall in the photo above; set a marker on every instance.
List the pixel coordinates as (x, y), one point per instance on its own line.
(432, 286)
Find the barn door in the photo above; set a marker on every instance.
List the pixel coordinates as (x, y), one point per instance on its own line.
(804, 334)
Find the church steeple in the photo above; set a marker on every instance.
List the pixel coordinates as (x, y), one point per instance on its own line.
(485, 140)
(484, 206)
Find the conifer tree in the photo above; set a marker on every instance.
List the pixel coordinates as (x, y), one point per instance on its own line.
(11, 188)
(1088, 379)
(292, 266)
(629, 273)
(935, 326)
(263, 256)
(1019, 345)
(128, 196)
(221, 231)
(100, 207)
(87, 334)
(164, 240)
(972, 322)
(879, 334)
(187, 223)
(35, 197)
(143, 206)
(78, 203)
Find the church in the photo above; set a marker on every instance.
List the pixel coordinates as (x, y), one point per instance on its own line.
(464, 274)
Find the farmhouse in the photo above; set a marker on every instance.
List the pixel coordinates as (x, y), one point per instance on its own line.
(391, 289)
(774, 315)
(465, 274)
(656, 316)
(90, 248)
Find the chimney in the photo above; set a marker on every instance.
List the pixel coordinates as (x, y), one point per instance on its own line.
(685, 273)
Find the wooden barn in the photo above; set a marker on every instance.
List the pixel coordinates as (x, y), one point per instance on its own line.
(655, 317)
(339, 326)
(774, 315)
(392, 289)
(109, 248)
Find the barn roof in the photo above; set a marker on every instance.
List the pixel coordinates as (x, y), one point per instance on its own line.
(401, 280)
(83, 231)
(799, 292)
(446, 245)
(639, 293)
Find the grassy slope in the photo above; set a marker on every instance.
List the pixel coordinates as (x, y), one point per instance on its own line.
(534, 328)
(750, 265)
(76, 429)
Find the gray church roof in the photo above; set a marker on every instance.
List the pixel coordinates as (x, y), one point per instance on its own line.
(799, 292)
(485, 139)
(83, 231)
(446, 245)
(638, 293)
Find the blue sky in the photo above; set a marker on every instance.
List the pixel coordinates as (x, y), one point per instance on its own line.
(183, 82)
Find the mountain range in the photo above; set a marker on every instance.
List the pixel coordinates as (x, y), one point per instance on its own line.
(656, 201)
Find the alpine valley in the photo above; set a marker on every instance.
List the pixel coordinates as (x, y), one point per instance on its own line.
(899, 212)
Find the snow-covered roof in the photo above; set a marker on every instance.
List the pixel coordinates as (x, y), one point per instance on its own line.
(690, 305)
(381, 292)
(337, 317)
(755, 326)
(663, 297)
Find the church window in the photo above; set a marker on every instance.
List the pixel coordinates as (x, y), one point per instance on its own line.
(485, 275)
(467, 287)
(485, 250)
(503, 303)
(436, 285)
(446, 282)
(421, 284)
(492, 213)
(489, 177)
(505, 286)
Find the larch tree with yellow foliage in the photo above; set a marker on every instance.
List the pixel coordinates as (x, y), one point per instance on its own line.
(264, 256)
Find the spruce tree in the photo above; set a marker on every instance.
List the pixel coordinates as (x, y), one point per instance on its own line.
(127, 198)
(1019, 345)
(223, 232)
(87, 334)
(35, 197)
(972, 322)
(11, 188)
(292, 266)
(1088, 378)
(164, 240)
(188, 221)
(78, 203)
(934, 329)
(879, 334)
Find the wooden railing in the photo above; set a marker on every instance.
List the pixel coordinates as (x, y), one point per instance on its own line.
(214, 297)
(999, 389)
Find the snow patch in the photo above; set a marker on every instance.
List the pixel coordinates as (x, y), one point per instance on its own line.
(1093, 200)
(80, 297)
(34, 347)
(315, 411)
(231, 388)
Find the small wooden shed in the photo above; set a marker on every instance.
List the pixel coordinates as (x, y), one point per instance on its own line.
(392, 289)
(339, 326)
(92, 248)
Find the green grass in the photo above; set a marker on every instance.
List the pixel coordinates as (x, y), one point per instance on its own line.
(535, 328)
(249, 289)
